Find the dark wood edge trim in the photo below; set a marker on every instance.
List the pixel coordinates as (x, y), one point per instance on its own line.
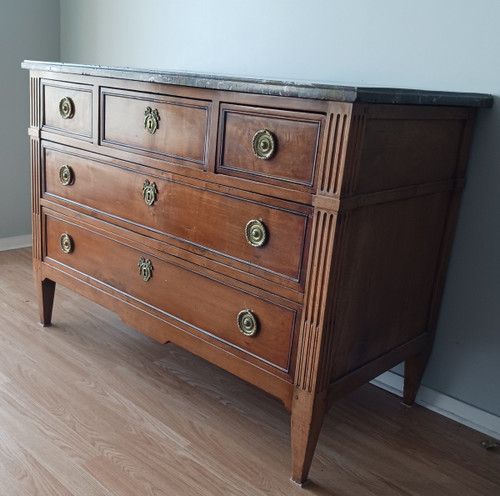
(404, 193)
(369, 199)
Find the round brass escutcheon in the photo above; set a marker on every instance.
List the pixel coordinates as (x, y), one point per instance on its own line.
(145, 269)
(247, 323)
(66, 176)
(263, 144)
(66, 242)
(255, 232)
(66, 108)
(151, 119)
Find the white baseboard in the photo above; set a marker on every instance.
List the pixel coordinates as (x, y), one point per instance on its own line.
(15, 242)
(452, 408)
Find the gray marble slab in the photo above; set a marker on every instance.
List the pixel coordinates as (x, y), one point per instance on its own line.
(272, 87)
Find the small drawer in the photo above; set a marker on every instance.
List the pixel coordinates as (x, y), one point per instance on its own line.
(67, 108)
(269, 145)
(205, 305)
(165, 126)
(211, 220)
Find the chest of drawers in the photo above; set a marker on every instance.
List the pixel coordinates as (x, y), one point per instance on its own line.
(295, 235)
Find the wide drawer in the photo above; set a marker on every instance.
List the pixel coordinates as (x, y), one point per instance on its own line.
(202, 303)
(170, 127)
(67, 108)
(200, 217)
(269, 145)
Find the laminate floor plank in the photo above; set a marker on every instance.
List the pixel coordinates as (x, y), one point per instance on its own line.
(90, 407)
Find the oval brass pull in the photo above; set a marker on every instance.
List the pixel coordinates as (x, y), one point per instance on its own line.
(255, 232)
(66, 176)
(66, 108)
(247, 323)
(151, 119)
(66, 242)
(149, 192)
(263, 144)
(145, 269)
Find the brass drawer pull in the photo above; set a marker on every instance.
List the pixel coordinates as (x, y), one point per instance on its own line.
(66, 176)
(263, 144)
(151, 120)
(145, 269)
(149, 192)
(255, 232)
(66, 242)
(247, 323)
(66, 108)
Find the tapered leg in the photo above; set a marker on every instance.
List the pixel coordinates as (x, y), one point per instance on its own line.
(308, 411)
(45, 294)
(414, 371)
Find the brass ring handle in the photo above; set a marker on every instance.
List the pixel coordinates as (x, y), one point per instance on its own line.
(145, 269)
(247, 323)
(66, 108)
(66, 242)
(66, 176)
(151, 119)
(149, 192)
(263, 144)
(255, 232)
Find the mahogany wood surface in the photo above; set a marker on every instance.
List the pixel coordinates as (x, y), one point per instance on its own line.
(198, 301)
(213, 220)
(293, 161)
(428, 146)
(182, 125)
(81, 95)
(359, 202)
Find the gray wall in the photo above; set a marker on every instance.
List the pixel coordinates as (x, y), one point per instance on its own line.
(446, 45)
(29, 29)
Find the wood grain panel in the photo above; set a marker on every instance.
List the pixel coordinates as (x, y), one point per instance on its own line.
(199, 301)
(182, 129)
(81, 94)
(293, 162)
(380, 244)
(206, 219)
(404, 152)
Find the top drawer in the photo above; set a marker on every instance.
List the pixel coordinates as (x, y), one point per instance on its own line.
(268, 145)
(164, 126)
(67, 108)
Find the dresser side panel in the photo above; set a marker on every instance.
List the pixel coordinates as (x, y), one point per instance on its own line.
(402, 200)
(405, 146)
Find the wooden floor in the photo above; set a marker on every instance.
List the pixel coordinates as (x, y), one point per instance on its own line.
(90, 407)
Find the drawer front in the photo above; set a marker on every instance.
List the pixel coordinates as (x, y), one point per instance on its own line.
(269, 145)
(67, 108)
(175, 128)
(204, 304)
(205, 218)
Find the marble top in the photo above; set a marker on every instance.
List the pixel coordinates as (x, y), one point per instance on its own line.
(316, 91)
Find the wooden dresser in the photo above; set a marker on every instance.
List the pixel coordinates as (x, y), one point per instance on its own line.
(295, 235)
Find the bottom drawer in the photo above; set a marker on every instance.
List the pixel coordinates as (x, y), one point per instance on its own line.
(203, 303)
